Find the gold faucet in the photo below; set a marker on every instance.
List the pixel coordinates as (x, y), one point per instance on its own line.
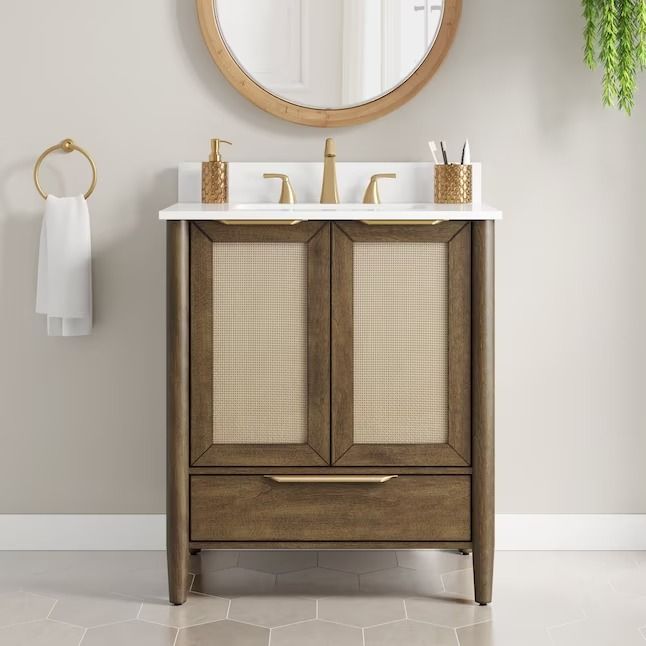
(330, 189)
(371, 196)
(286, 191)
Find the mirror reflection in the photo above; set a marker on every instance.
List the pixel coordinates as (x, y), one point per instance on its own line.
(329, 54)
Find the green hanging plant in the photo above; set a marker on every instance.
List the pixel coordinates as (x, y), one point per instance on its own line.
(615, 36)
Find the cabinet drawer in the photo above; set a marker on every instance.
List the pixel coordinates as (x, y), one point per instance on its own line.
(255, 508)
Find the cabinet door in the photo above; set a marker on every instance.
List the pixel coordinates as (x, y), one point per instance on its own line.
(401, 320)
(260, 344)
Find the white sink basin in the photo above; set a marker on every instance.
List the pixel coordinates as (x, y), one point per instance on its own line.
(350, 206)
(353, 206)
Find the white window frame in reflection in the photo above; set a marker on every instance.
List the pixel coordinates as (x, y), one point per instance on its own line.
(297, 24)
(371, 59)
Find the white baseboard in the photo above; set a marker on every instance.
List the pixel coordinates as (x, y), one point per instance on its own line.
(571, 532)
(148, 532)
(82, 532)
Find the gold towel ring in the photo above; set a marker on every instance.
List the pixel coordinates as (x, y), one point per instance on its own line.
(67, 146)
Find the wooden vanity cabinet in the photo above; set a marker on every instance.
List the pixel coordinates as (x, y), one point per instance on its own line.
(333, 355)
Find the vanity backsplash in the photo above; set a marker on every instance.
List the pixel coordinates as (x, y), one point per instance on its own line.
(414, 183)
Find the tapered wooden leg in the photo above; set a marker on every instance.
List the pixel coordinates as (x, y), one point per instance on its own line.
(177, 408)
(177, 577)
(483, 575)
(482, 422)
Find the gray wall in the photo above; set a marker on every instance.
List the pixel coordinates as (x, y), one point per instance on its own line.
(82, 420)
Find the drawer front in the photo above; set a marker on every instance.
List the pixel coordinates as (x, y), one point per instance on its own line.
(255, 508)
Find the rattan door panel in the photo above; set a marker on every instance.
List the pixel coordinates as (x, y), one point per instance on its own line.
(400, 349)
(260, 344)
(401, 344)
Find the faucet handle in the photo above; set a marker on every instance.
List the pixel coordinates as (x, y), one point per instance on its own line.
(286, 192)
(371, 196)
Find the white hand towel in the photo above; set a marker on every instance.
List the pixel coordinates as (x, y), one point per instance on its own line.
(64, 291)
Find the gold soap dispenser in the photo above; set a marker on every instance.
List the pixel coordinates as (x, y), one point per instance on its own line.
(215, 176)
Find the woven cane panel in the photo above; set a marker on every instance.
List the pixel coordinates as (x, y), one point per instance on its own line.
(259, 343)
(400, 343)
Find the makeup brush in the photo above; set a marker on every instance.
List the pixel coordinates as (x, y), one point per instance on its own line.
(433, 146)
(444, 155)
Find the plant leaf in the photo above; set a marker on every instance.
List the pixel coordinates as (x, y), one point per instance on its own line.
(590, 14)
(628, 54)
(641, 33)
(608, 54)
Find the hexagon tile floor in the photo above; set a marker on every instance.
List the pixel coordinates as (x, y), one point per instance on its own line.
(322, 599)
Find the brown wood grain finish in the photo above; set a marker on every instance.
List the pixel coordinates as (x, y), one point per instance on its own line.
(177, 411)
(441, 232)
(456, 452)
(218, 232)
(318, 342)
(401, 454)
(254, 508)
(366, 111)
(331, 545)
(415, 471)
(483, 408)
(342, 348)
(260, 455)
(201, 343)
(459, 372)
(316, 451)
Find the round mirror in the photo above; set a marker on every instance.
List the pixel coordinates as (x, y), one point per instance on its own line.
(328, 62)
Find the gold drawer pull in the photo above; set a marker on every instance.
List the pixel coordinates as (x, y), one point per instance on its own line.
(394, 222)
(260, 222)
(333, 479)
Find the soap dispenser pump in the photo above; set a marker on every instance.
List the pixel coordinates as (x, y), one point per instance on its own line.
(215, 176)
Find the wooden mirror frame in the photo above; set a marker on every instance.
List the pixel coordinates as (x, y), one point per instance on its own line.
(307, 116)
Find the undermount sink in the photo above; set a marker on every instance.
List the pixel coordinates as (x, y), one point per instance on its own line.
(310, 206)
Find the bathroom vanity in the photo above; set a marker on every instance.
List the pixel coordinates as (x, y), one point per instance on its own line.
(330, 369)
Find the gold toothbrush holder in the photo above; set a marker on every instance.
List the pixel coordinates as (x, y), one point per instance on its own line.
(453, 184)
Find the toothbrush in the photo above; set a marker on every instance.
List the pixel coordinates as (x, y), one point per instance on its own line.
(466, 153)
(444, 156)
(433, 146)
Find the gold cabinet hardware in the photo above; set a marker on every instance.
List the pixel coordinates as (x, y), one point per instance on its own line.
(349, 479)
(67, 146)
(395, 222)
(286, 191)
(260, 222)
(371, 196)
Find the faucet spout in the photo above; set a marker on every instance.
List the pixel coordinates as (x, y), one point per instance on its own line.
(330, 188)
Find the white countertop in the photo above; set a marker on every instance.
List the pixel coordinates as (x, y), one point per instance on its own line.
(265, 211)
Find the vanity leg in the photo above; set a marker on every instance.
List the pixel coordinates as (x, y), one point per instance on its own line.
(482, 422)
(177, 408)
